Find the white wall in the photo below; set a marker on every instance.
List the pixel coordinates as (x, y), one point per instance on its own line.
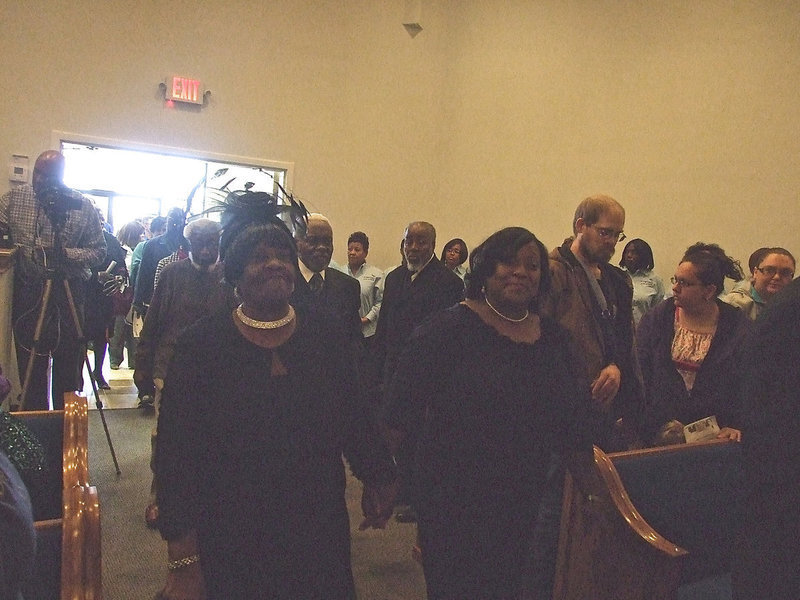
(499, 112)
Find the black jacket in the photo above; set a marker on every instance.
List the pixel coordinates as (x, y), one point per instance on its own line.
(717, 384)
(407, 304)
(340, 296)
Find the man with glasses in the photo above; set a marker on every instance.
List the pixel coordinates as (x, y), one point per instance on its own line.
(592, 299)
(771, 270)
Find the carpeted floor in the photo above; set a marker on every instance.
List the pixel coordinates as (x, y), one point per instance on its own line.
(134, 557)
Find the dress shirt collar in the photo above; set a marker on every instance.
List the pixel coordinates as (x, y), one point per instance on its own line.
(308, 273)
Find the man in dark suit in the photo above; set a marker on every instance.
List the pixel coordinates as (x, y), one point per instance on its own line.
(321, 286)
(411, 293)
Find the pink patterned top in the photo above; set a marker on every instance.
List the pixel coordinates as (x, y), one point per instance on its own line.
(689, 349)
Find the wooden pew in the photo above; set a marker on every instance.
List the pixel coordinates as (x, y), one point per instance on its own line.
(646, 523)
(66, 508)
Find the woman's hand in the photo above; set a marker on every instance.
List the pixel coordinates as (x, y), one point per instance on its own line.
(669, 434)
(377, 502)
(729, 433)
(184, 584)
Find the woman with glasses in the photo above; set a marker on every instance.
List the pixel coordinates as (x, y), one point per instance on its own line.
(689, 350)
(454, 255)
(771, 269)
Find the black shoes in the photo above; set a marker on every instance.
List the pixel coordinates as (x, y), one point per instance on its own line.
(102, 384)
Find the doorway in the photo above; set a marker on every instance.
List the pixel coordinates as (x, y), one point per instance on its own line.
(128, 183)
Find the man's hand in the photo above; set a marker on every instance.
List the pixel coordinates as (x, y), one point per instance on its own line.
(378, 504)
(112, 285)
(606, 386)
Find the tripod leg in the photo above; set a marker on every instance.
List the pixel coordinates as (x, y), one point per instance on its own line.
(37, 335)
(82, 341)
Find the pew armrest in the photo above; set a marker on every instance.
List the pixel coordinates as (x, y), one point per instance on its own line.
(81, 557)
(607, 550)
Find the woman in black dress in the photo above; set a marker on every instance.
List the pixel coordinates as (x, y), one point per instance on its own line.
(258, 408)
(488, 419)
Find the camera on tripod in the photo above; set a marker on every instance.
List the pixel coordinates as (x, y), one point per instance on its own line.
(57, 200)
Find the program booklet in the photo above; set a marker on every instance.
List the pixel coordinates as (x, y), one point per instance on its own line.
(702, 430)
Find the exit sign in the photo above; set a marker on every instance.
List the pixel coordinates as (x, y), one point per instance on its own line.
(183, 89)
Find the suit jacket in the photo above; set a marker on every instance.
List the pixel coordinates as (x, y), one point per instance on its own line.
(407, 304)
(340, 296)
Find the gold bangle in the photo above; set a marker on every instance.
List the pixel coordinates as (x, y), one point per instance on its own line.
(181, 563)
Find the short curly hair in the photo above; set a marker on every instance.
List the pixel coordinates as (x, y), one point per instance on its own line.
(502, 247)
(360, 238)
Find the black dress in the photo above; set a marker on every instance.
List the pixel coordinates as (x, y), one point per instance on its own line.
(253, 461)
(490, 411)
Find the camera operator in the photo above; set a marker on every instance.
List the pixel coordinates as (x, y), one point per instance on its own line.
(59, 236)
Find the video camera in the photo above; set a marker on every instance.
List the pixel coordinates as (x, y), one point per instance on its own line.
(57, 200)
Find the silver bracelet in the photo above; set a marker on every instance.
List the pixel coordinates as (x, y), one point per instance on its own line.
(181, 563)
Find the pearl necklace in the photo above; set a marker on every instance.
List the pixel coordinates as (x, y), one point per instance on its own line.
(255, 324)
(504, 317)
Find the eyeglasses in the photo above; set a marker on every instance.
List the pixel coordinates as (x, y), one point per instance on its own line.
(683, 283)
(608, 234)
(785, 273)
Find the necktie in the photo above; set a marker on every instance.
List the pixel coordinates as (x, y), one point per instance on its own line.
(315, 283)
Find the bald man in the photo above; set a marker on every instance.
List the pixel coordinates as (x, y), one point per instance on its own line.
(58, 234)
(188, 290)
(324, 288)
(412, 293)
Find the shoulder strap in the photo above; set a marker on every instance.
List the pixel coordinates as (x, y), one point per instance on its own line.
(598, 293)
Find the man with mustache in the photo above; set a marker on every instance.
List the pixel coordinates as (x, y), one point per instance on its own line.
(322, 286)
(592, 299)
(412, 293)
